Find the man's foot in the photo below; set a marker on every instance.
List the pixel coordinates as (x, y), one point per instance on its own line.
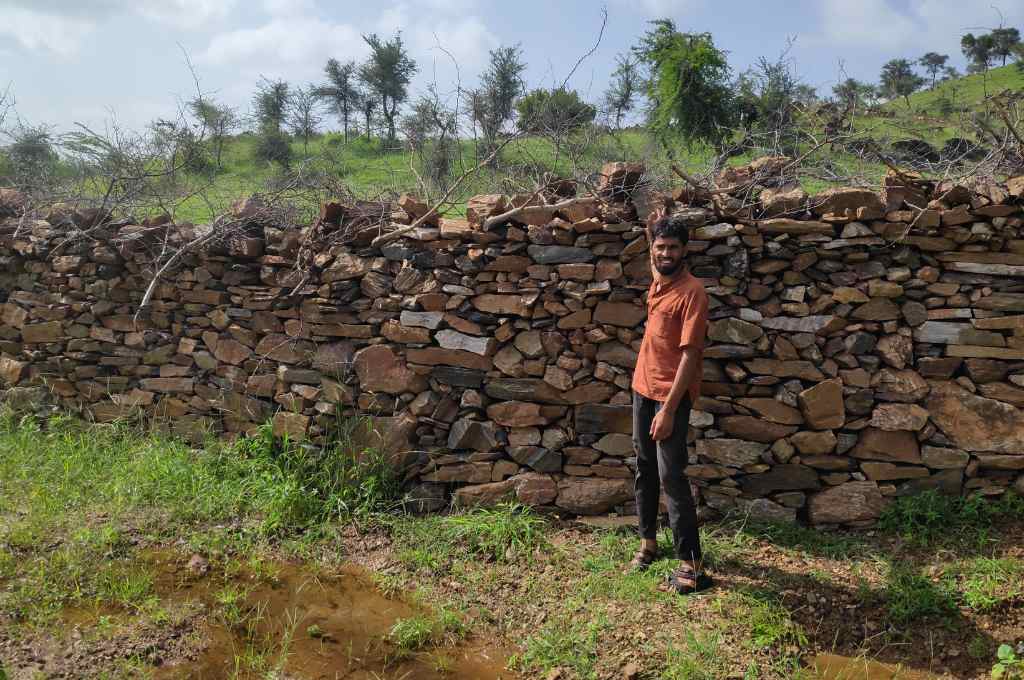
(644, 558)
(684, 581)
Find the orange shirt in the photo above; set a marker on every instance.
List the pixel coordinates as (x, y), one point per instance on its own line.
(677, 317)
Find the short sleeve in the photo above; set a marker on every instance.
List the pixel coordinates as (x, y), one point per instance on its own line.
(694, 320)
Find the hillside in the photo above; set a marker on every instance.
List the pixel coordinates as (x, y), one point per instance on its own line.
(367, 168)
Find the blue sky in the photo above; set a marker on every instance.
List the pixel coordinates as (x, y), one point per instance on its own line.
(94, 60)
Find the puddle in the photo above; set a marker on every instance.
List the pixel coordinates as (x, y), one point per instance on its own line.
(835, 667)
(294, 624)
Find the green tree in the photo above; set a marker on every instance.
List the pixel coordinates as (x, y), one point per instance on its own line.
(387, 74)
(271, 102)
(620, 97)
(274, 146)
(431, 131)
(493, 103)
(558, 111)
(978, 50)
(218, 122)
(1003, 42)
(850, 92)
(31, 158)
(341, 91)
(933, 63)
(303, 117)
(687, 85)
(899, 80)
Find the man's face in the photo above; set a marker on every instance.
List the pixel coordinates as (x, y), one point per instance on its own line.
(668, 255)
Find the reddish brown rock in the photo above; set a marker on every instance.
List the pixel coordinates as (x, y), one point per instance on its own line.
(976, 423)
(823, 406)
(593, 496)
(381, 370)
(898, 446)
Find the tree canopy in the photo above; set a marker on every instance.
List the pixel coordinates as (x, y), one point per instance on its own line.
(341, 91)
(687, 86)
(898, 79)
(387, 74)
(558, 111)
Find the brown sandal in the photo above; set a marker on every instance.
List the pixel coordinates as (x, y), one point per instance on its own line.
(641, 561)
(683, 581)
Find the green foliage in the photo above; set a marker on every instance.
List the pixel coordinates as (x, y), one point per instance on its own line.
(281, 486)
(273, 146)
(341, 91)
(699, 658)
(933, 63)
(898, 79)
(985, 583)
(554, 112)
(30, 157)
(1009, 664)
(387, 74)
(624, 87)
(441, 626)
(565, 642)
(493, 103)
(930, 516)
(271, 103)
(688, 85)
(911, 596)
(503, 534)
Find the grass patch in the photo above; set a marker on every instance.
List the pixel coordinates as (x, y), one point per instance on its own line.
(442, 626)
(506, 533)
(698, 658)
(911, 596)
(930, 517)
(567, 643)
(985, 583)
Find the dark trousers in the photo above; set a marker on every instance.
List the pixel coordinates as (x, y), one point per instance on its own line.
(663, 464)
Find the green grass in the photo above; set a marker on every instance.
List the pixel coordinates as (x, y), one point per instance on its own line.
(911, 596)
(566, 642)
(986, 583)
(932, 518)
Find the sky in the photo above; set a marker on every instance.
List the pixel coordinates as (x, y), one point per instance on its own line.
(97, 61)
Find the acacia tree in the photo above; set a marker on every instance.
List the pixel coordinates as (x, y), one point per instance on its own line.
(620, 97)
(933, 63)
(303, 117)
(493, 103)
(557, 112)
(387, 74)
(899, 80)
(1003, 42)
(978, 50)
(271, 103)
(218, 122)
(687, 85)
(341, 91)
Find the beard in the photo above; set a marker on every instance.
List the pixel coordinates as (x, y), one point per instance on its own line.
(669, 269)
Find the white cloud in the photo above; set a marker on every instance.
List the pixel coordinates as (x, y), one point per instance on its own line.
(34, 30)
(185, 13)
(867, 24)
(284, 43)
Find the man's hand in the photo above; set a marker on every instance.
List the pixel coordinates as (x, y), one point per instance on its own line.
(662, 425)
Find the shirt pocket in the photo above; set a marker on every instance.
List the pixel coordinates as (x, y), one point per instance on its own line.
(664, 326)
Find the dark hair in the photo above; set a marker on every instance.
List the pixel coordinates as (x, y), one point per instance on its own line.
(671, 226)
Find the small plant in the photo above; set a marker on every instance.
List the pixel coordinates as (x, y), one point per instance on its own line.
(1010, 664)
(930, 516)
(502, 534)
(911, 596)
(411, 634)
(315, 631)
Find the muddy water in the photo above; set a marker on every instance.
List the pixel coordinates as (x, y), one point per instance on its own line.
(308, 627)
(835, 667)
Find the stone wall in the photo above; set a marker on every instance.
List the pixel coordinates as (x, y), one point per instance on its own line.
(861, 346)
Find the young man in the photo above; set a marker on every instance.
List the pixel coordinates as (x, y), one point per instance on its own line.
(666, 382)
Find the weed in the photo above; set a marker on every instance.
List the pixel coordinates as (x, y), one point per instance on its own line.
(435, 627)
(1010, 663)
(125, 585)
(930, 517)
(911, 596)
(501, 534)
(562, 643)
(985, 583)
(699, 658)
(768, 621)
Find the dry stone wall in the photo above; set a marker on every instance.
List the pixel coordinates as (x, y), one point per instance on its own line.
(862, 346)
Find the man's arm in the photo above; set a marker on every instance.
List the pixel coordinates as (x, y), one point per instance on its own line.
(664, 420)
